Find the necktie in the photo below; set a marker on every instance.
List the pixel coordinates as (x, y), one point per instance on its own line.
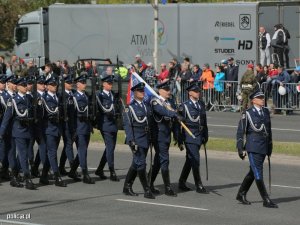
(260, 113)
(197, 106)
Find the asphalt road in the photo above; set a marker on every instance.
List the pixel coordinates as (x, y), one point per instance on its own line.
(224, 124)
(103, 203)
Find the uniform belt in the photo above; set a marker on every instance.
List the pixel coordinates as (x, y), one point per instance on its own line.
(259, 134)
(146, 128)
(196, 127)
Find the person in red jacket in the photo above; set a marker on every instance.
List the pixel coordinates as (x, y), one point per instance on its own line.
(164, 73)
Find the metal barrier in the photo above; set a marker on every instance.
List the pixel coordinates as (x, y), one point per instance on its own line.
(225, 96)
(288, 101)
(222, 98)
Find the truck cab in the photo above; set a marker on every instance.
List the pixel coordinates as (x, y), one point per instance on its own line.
(30, 33)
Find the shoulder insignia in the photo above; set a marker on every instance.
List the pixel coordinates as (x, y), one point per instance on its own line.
(243, 116)
(126, 110)
(39, 102)
(9, 103)
(154, 102)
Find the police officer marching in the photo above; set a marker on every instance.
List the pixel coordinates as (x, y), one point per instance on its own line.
(137, 122)
(165, 117)
(193, 111)
(107, 124)
(255, 126)
(8, 144)
(38, 130)
(19, 112)
(83, 127)
(34, 162)
(52, 126)
(3, 155)
(69, 129)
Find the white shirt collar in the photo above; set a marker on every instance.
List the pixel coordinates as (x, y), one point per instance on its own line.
(40, 92)
(21, 95)
(80, 92)
(106, 92)
(51, 94)
(10, 92)
(193, 101)
(257, 108)
(138, 101)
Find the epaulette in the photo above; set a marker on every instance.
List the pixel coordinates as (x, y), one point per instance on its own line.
(156, 101)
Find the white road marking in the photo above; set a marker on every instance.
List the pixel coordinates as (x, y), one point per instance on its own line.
(285, 186)
(161, 204)
(17, 222)
(230, 126)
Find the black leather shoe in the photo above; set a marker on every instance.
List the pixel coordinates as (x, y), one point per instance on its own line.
(170, 192)
(100, 173)
(74, 175)
(269, 204)
(149, 194)
(15, 183)
(200, 189)
(87, 179)
(113, 176)
(154, 190)
(29, 185)
(58, 181)
(241, 197)
(127, 190)
(182, 186)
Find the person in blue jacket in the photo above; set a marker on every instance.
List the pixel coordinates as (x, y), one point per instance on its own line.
(166, 121)
(107, 124)
(19, 112)
(193, 111)
(255, 128)
(137, 124)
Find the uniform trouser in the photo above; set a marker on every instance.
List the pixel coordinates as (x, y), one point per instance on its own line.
(139, 159)
(37, 159)
(41, 140)
(110, 139)
(161, 157)
(22, 146)
(52, 143)
(82, 143)
(67, 151)
(193, 154)
(9, 147)
(256, 163)
(4, 155)
(265, 56)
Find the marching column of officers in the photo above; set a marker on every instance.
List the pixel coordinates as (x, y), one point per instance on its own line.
(146, 125)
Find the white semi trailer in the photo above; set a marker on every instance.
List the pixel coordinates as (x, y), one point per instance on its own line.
(207, 33)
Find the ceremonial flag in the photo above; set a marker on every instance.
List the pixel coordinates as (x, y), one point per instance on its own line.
(134, 80)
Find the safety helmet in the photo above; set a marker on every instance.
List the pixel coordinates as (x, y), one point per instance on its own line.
(281, 90)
